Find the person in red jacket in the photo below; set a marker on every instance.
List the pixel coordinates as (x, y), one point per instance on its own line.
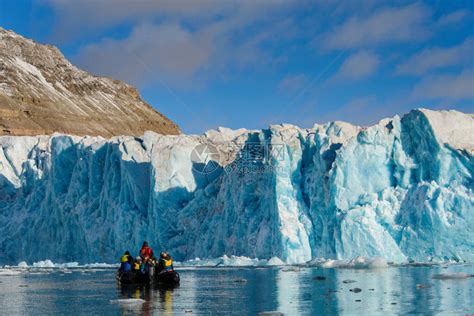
(146, 252)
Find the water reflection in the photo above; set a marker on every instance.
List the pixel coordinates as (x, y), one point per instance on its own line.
(305, 291)
(288, 285)
(360, 290)
(300, 291)
(166, 300)
(16, 284)
(144, 299)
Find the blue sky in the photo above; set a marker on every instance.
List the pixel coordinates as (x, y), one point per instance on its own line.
(253, 63)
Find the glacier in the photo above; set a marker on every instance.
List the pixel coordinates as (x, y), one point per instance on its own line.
(401, 190)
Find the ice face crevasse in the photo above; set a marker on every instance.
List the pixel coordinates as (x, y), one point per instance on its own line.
(401, 189)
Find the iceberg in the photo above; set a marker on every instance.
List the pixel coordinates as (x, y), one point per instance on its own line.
(401, 191)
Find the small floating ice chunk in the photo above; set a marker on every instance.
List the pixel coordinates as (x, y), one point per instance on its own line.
(128, 301)
(291, 270)
(102, 265)
(224, 261)
(23, 264)
(240, 281)
(67, 265)
(331, 263)
(447, 276)
(6, 272)
(44, 264)
(374, 263)
(349, 281)
(357, 262)
(271, 313)
(238, 261)
(275, 261)
(378, 263)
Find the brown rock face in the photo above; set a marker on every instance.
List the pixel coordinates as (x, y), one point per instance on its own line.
(42, 93)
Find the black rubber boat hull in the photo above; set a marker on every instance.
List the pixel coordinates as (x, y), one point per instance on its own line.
(169, 278)
(133, 278)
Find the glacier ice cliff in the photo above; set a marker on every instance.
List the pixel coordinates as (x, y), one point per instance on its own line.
(401, 190)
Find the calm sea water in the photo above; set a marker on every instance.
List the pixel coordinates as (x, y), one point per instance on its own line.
(244, 291)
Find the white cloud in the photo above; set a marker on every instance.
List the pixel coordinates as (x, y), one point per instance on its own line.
(174, 51)
(388, 25)
(359, 65)
(450, 87)
(292, 83)
(453, 18)
(75, 17)
(438, 57)
(149, 51)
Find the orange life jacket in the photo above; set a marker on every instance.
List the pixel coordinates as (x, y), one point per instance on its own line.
(146, 252)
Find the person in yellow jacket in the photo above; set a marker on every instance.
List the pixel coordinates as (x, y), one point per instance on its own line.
(137, 264)
(126, 262)
(125, 257)
(165, 264)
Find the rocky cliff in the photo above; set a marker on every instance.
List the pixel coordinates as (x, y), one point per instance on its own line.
(41, 92)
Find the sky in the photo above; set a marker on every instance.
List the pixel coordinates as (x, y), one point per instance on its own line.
(209, 63)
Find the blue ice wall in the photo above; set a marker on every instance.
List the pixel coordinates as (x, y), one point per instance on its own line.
(401, 189)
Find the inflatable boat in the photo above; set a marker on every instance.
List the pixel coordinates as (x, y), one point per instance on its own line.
(165, 278)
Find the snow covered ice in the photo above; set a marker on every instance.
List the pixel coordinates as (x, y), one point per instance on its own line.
(400, 190)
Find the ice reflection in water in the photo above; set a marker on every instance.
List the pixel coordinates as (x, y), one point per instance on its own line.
(378, 289)
(17, 286)
(288, 281)
(303, 291)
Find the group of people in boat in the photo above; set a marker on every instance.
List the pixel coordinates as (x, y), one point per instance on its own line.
(146, 263)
